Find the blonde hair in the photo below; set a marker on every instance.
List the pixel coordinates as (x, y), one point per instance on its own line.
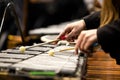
(108, 13)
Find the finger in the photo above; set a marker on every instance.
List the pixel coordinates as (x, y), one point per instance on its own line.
(87, 45)
(61, 34)
(76, 50)
(85, 38)
(66, 31)
(79, 40)
(72, 33)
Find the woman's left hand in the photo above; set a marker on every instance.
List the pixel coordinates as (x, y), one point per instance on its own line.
(85, 39)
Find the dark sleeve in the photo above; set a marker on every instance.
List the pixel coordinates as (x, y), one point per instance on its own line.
(109, 39)
(93, 20)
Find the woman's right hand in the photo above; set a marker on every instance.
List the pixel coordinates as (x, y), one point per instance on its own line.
(72, 30)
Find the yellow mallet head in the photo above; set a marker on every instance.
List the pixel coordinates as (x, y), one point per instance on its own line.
(22, 49)
(51, 52)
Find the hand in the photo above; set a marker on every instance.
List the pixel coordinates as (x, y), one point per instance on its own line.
(85, 40)
(72, 30)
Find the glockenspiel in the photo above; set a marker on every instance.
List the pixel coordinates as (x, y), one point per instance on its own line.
(35, 63)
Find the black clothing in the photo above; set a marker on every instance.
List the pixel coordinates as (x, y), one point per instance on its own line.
(109, 38)
(108, 35)
(92, 21)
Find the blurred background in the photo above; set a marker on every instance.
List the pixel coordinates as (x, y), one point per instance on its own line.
(32, 15)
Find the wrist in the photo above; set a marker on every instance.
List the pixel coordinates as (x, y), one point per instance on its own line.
(82, 24)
